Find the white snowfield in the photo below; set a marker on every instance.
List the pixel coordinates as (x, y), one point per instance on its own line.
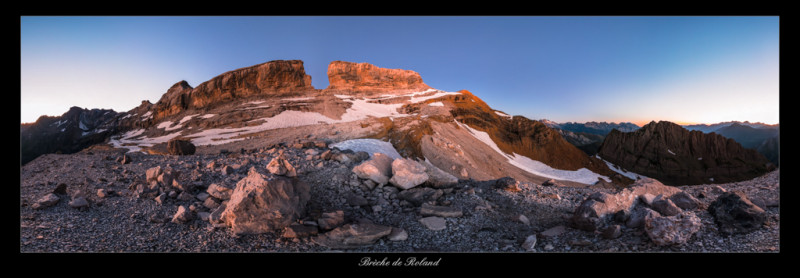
(670, 152)
(438, 103)
(538, 168)
(370, 146)
(503, 114)
(360, 109)
(615, 168)
(297, 98)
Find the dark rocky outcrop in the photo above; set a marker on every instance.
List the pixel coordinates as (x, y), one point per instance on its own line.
(734, 213)
(71, 132)
(676, 156)
(180, 147)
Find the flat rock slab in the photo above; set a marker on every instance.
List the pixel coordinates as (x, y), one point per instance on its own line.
(554, 231)
(441, 211)
(434, 223)
(353, 236)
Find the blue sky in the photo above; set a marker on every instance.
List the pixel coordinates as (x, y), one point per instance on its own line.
(638, 69)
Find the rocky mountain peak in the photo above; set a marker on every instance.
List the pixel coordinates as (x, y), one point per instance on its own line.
(368, 79)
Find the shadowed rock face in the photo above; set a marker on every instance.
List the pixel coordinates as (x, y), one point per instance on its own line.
(368, 79)
(676, 156)
(68, 133)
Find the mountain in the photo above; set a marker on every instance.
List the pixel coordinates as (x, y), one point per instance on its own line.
(677, 156)
(71, 132)
(275, 103)
(771, 149)
(588, 136)
(708, 128)
(749, 137)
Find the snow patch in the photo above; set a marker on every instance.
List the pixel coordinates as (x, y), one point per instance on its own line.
(147, 114)
(615, 168)
(187, 118)
(164, 124)
(127, 116)
(63, 129)
(206, 116)
(670, 152)
(438, 103)
(699, 158)
(503, 114)
(256, 102)
(439, 94)
(538, 168)
(82, 126)
(368, 145)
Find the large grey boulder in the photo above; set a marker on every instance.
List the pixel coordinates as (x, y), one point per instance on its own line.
(592, 212)
(260, 205)
(672, 230)
(438, 178)
(46, 201)
(377, 169)
(407, 173)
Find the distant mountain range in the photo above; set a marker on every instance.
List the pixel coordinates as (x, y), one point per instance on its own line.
(758, 136)
(588, 136)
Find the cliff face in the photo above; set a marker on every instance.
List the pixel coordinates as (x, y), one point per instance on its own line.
(274, 78)
(367, 79)
(676, 156)
(527, 137)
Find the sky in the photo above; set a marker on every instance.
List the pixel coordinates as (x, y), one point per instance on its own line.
(578, 69)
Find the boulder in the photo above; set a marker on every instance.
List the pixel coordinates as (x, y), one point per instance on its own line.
(441, 211)
(530, 243)
(507, 184)
(281, 166)
(594, 211)
(438, 178)
(407, 173)
(168, 176)
(61, 188)
(183, 215)
(216, 215)
(686, 201)
(672, 230)
(300, 231)
(735, 213)
(125, 159)
(180, 147)
(377, 169)
(554, 231)
(186, 196)
(152, 174)
(330, 220)
(550, 182)
(398, 234)
(353, 236)
(419, 195)
(161, 198)
(433, 223)
(665, 206)
(612, 232)
(226, 170)
(46, 201)
(149, 190)
(220, 192)
(326, 155)
(356, 200)
(638, 215)
(259, 204)
(522, 219)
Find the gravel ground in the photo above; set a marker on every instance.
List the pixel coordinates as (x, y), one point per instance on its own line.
(125, 223)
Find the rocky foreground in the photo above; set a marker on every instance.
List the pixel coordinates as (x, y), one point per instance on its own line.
(307, 197)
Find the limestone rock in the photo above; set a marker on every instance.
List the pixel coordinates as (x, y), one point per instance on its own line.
(299, 231)
(434, 223)
(398, 234)
(686, 201)
(441, 211)
(407, 173)
(377, 169)
(735, 213)
(417, 196)
(612, 232)
(183, 215)
(330, 220)
(46, 201)
(353, 235)
(281, 166)
(180, 147)
(370, 80)
(672, 230)
(438, 178)
(152, 174)
(592, 212)
(554, 231)
(530, 243)
(260, 205)
(220, 192)
(507, 184)
(665, 206)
